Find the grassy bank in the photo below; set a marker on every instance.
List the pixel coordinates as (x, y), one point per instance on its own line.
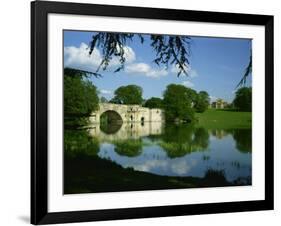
(224, 119)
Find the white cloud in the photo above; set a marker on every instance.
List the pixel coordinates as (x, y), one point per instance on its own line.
(145, 69)
(213, 98)
(79, 57)
(180, 168)
(192, 73)
(183, 167)
(188, 83)
(105, 91)
(129, 54)
(150, 165)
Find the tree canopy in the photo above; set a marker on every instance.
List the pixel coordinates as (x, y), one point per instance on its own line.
(177, 103)
(202, 101)
(130, 94)
(80, 96)
(243, 99)
(154, 102)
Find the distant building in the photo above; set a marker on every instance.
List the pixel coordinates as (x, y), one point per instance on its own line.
(219, 104)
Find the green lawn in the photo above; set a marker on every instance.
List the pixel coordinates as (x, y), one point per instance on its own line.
(224, 119)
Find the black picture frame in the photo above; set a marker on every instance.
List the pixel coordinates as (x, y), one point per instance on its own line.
(39, 112)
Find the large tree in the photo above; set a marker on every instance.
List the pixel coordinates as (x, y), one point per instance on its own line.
(243, 99)
(154, 102)
(177, 103)
(130, 94)
(80, 96)
(202, 101)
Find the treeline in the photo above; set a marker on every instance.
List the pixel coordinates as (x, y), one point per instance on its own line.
(81, 99)
(179, 102)
(243, 99)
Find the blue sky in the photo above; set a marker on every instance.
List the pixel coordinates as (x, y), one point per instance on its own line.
(216, 66)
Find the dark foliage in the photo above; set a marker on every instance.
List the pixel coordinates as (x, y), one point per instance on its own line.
(168, 49)
(202, 101)
(243, 138)
(247, 72)
(243, 99)
(80, 98)
(72, 72)
(177, 103)
(154, 102)
(130, 94)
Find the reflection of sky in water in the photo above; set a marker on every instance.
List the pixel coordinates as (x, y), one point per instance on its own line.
(221, 154)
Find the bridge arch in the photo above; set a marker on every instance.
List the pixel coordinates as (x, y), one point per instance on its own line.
(110, 121)
(111, 116)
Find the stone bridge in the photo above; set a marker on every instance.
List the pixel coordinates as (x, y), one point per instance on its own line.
(127, 113)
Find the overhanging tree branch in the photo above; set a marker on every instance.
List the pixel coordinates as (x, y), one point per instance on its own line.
(168, 49)
(77, 72)
(248, 71)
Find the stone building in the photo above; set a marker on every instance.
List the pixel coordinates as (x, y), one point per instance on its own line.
(219, 104)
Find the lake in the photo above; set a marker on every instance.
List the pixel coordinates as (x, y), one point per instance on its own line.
(147, 156)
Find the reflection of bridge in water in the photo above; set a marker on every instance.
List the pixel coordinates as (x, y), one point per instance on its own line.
(120, 122)
(127, 131)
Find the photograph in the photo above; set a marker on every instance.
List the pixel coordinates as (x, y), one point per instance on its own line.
(140, 112)
(155, 111)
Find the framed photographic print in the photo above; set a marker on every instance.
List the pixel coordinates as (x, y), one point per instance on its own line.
(145, 112)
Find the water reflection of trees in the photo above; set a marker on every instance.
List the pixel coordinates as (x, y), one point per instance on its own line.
(80, 142)
(201, 138)
(110, 128)
(130, 147)
(242, 137)
(179, 140)
(176, 141)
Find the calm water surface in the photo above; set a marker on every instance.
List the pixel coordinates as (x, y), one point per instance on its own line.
(205, 156)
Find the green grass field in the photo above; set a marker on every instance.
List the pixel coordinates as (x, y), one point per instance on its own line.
(214, 118)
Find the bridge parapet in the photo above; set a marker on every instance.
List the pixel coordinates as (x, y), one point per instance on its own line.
(129, 113)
